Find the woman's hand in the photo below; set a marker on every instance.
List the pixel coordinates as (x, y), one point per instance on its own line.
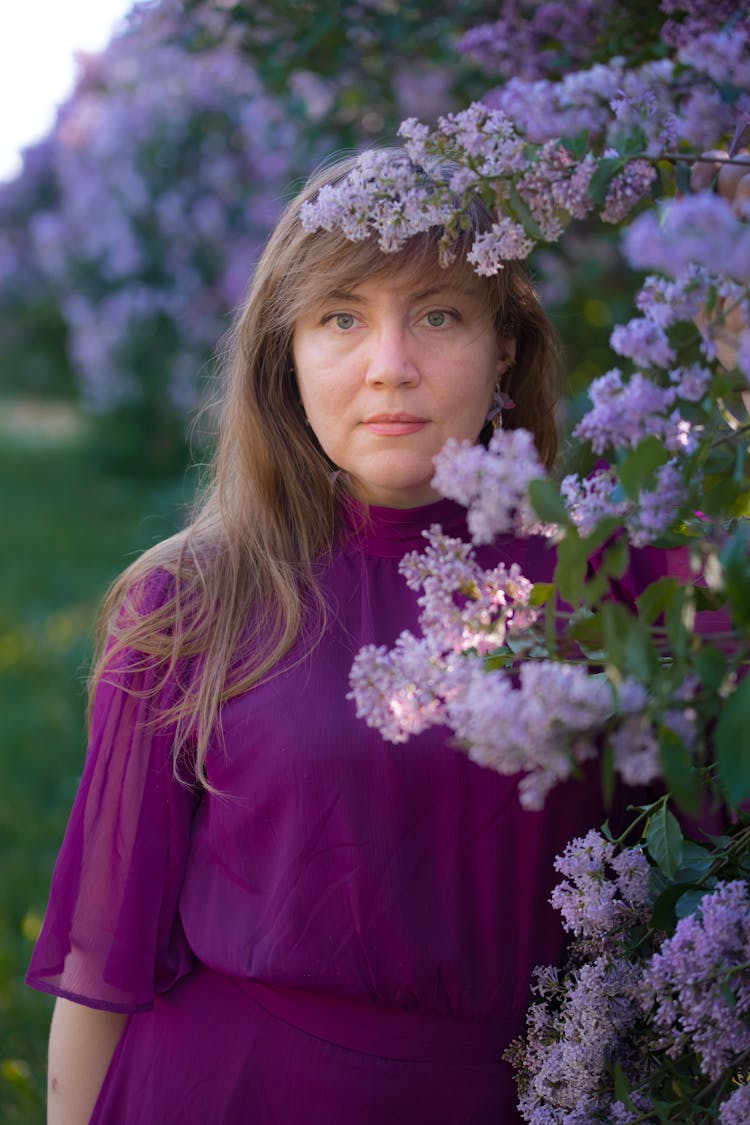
(732, 182)
(82, 1042)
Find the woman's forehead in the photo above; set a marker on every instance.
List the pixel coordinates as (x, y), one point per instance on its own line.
(408, 277)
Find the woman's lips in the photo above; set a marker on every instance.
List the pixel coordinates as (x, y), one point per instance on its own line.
(394, 425)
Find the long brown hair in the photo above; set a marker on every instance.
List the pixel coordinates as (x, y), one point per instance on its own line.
(242, 571)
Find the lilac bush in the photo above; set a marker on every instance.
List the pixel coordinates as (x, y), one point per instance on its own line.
(650, 1020)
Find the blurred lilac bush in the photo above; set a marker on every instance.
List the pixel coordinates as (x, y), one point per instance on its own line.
(168, 166)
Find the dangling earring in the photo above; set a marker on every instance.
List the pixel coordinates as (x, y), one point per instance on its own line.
(499, 402)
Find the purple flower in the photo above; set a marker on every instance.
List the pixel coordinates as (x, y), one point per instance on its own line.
(697, 229)
(623, 414)
(698, 1000)
(505, 240)
(492, 483)
(643, 341)
(627, 190)
(736, 1109)
(593, 904)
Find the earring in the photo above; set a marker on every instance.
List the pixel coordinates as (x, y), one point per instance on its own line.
(499, 402)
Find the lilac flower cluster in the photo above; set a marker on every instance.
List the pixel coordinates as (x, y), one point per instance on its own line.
(624, 413)
(627, 190)
(698, 986)
(599, 496)
(736, 1109)
(696, 18)
(533, 39)
(466, 608)
(492, 483)
(605, 99)
(542, 722)
(604, 890)
(159, 156)
(699, 229)
(567, 1052)
(380, 195)
(546, 724)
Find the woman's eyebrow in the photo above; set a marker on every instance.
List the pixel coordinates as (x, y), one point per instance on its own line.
(342, 295)
(444, 290)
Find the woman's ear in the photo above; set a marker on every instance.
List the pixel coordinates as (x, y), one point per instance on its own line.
(506, 354)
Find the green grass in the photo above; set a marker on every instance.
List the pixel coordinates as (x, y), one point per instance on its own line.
(66, 531)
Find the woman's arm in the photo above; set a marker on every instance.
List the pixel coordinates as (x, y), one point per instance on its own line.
(81, 1044)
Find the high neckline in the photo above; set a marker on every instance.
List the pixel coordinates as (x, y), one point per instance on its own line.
(391, 532)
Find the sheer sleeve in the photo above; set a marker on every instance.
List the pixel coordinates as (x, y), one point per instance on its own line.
(112, 936)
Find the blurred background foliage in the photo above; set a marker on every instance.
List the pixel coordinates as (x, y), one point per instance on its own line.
(126, 242)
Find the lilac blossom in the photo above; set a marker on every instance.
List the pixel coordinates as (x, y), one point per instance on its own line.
(658, 507)
(623, 414)
(463, 607)
(603, 890)
(627, 190)
(723, 55)
(492, 483)
(504, 241)
(696, 18)
(566, 1057)
(602, 100)
(743, 354)
(592, 498)
(698, 229)
(643, 341)
(666, 302)
(636, 751)
(599, 496)
(736, 1109)
(525, 40)
(699, 1001)
(542, 725)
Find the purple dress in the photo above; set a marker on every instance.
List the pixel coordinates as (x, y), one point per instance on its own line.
(346, 934)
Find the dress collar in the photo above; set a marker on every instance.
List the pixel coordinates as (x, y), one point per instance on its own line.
(391, 532)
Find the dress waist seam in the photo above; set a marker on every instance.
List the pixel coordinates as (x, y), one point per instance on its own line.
(409, 1035)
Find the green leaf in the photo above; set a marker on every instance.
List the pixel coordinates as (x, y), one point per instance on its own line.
(578, 145)
(735, 559)
(547, 501)
(615, 559)
(679, 770)
(587, 632)
(682, 177)
(679, 617)
(664, 910)
(524, 216)
(732, 740)
(635, 142)
(655, 598)
(541, 593)
(711, 665)
(606, 171)
(622, 1087)
(637, 469)
(689, 902)
(664, 841)
(572, 560)
(628, 643)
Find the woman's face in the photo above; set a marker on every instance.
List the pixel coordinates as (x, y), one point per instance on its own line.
(392, 368)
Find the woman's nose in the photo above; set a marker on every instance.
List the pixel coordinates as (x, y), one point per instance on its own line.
(391, 360)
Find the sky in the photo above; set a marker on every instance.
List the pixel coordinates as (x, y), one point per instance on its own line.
(38, 39)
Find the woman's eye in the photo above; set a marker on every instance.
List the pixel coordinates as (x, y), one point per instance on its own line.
(345, 321)
(436, 318)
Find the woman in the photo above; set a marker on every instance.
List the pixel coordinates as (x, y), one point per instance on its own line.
(261, 911)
